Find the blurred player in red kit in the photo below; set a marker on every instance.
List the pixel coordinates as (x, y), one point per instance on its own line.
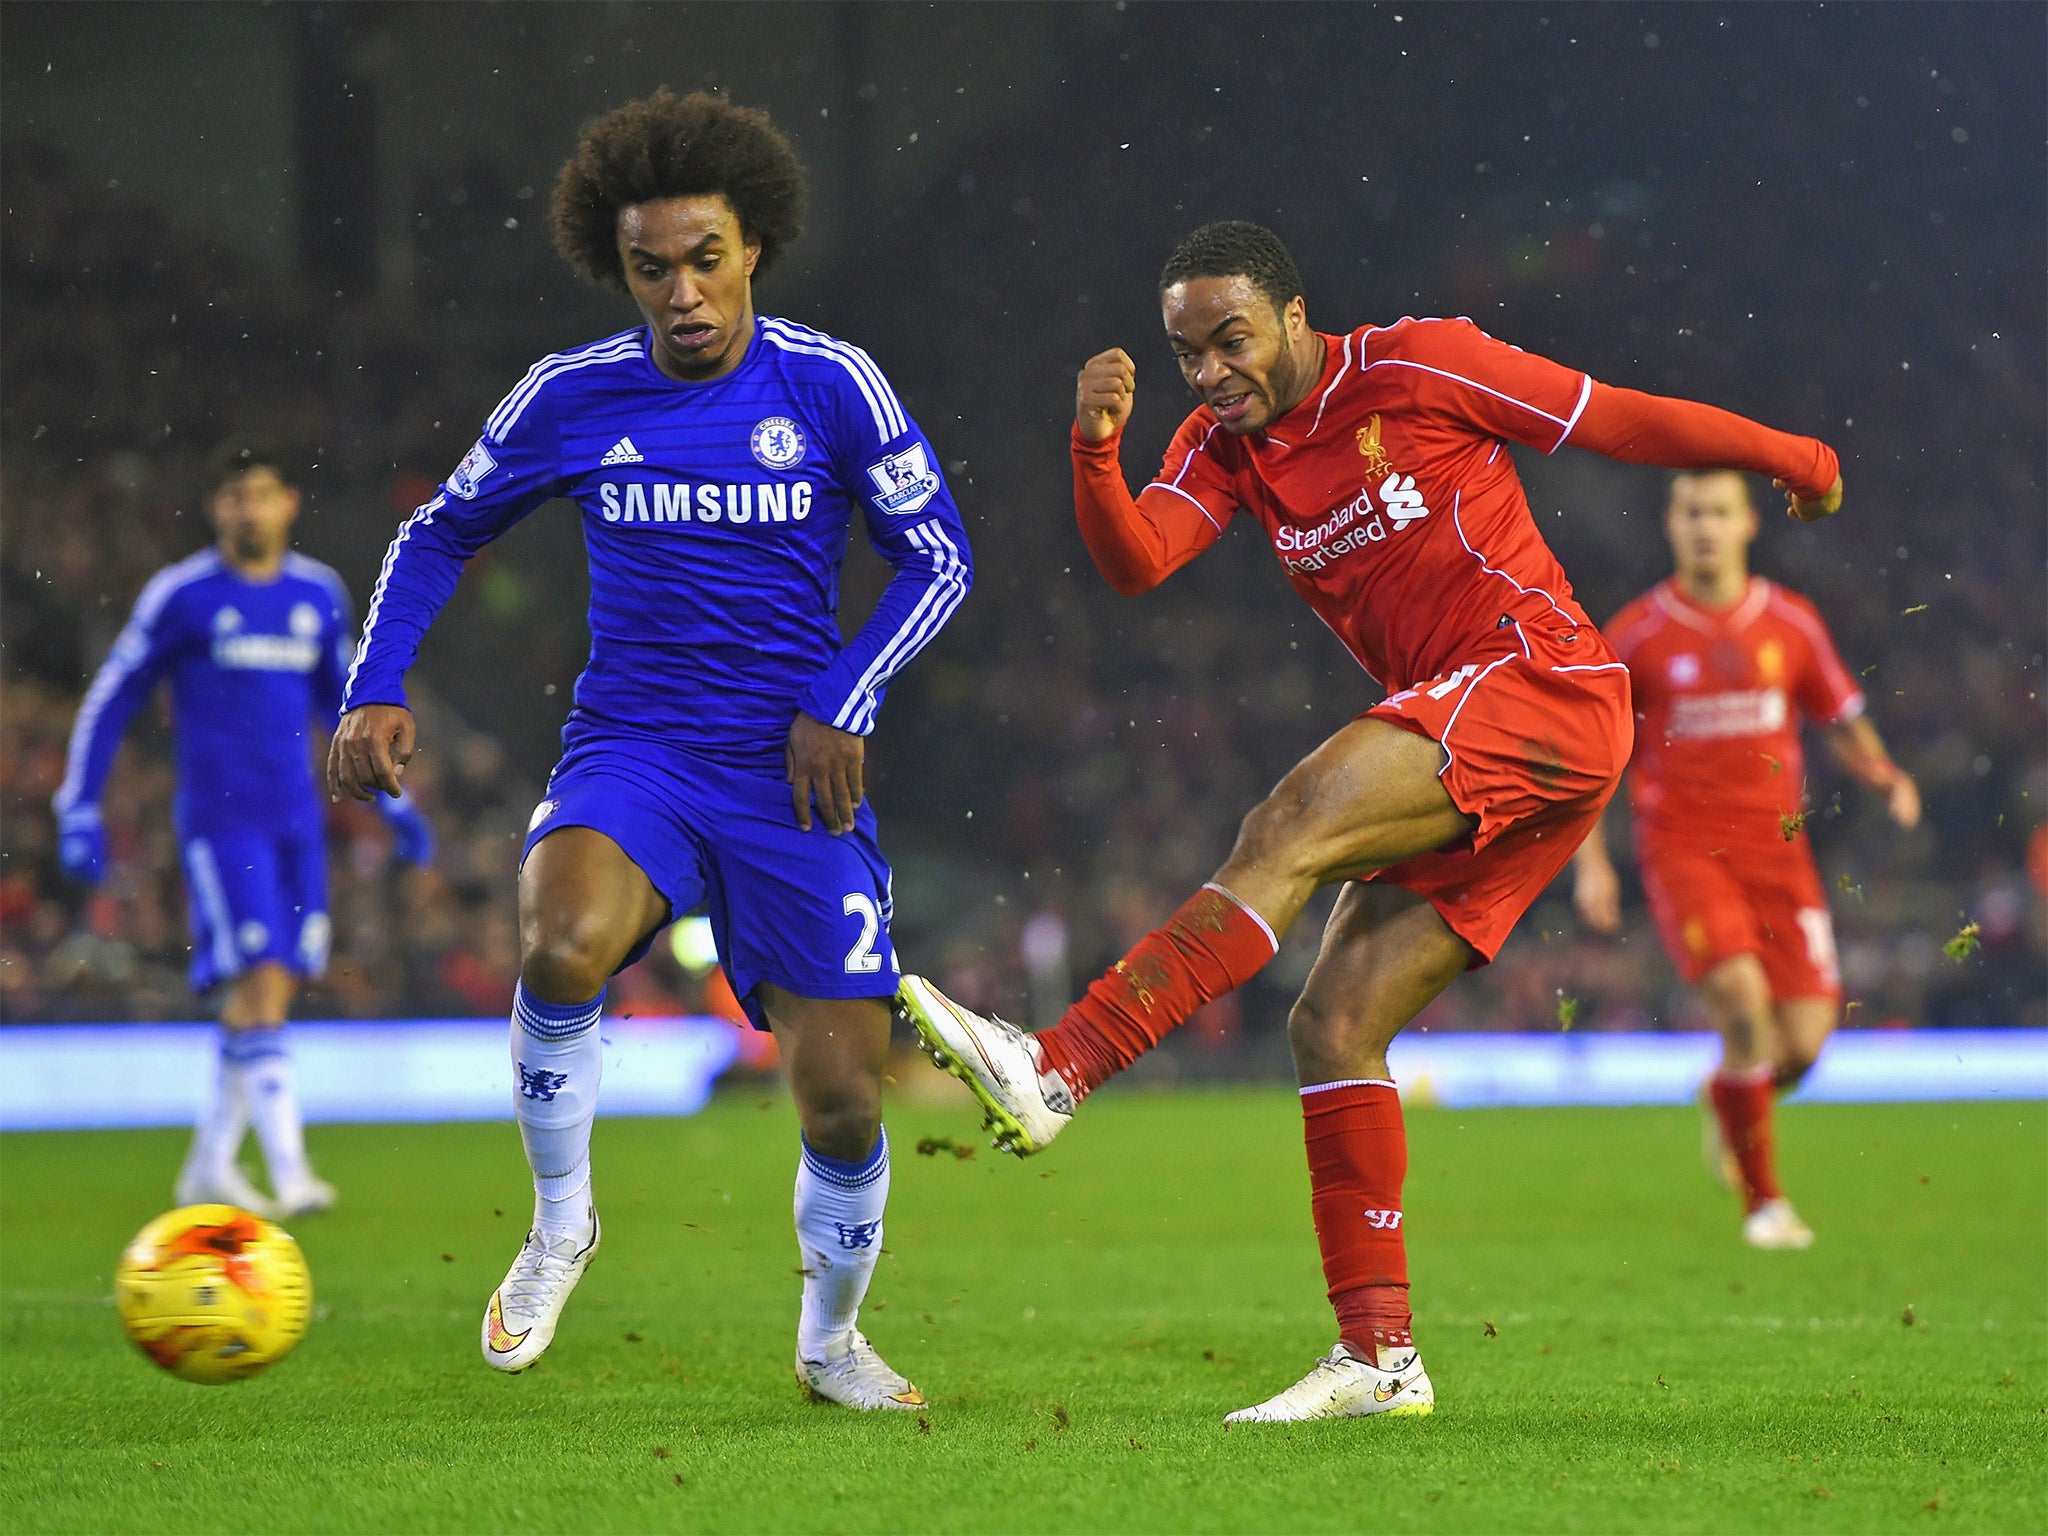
(1377, 462)
(1724, 665)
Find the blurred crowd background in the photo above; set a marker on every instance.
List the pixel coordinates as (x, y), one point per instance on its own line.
(327, 222)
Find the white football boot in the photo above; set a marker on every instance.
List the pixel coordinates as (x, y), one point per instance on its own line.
(229, 1186)
(854, 1376)
(1774, 1224)
(1342, 1386)
(1022, 1102)
(309, 1196)
(519, 1322)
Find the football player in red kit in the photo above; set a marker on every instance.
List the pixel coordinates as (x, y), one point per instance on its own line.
(1724, 665)
(1376, 460)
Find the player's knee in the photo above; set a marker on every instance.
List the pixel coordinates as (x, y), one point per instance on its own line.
(1271, 833)
(1319, 1035)
(1306, 1031)
(843, 1123)
(566, 966)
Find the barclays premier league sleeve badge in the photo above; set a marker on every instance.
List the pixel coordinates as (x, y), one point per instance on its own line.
(904, 481)
(470, 472)
(778, 443)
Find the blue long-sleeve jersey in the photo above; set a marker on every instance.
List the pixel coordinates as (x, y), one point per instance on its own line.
(715, 516)
(251, 665)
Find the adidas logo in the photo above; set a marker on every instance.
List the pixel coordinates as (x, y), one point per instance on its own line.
(622, 452)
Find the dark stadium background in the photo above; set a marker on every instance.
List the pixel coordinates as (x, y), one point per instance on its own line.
(329, 222)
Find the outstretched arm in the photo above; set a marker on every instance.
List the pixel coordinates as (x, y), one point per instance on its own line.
(1637, 428)
(1138, 542)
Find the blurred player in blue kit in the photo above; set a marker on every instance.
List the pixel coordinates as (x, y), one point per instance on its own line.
(255, 639)
(714, 754)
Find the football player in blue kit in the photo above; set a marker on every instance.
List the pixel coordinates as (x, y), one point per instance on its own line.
(714, 753)
(254, 638)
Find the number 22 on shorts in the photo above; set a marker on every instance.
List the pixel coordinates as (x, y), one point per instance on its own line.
(861, 960)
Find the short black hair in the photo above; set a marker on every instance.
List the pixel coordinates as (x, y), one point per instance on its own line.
(238, 455)
(1236, 248)
(670, 146)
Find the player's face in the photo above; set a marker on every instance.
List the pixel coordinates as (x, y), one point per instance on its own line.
(1710, 523)
(1250, 363)
(253, 513)
(690, 269)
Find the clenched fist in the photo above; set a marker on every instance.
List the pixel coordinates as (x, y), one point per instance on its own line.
(1103, 394)
(1812, 509)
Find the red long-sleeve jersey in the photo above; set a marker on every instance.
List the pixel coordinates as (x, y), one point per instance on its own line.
(1390, 498)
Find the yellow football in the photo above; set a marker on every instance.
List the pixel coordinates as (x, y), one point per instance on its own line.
(213, 1293)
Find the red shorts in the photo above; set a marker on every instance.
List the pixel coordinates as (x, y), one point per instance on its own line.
(1747, 898)
(1535, 730)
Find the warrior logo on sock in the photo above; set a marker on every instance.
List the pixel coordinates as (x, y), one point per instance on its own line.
(1385, 1220)
(540, 1083)
(859, 1234)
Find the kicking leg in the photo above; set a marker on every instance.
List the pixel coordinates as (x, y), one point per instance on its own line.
(583, 905)
(1386, 953)
(1368, 798)
(835, 1049)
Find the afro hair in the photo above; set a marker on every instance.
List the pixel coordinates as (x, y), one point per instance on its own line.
(670, 146)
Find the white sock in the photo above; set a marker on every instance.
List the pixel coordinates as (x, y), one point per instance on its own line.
(839, 1233)
(557, 1059)
(217, 1136)
(257, 1063)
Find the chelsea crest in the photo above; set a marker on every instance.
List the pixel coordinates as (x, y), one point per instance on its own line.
(778, 443)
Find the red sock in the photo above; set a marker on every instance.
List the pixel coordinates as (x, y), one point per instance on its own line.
(1742, 1103)
(1357, 1159)
(1211, 946)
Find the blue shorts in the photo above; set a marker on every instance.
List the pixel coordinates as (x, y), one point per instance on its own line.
(256, 896)
(806, 911)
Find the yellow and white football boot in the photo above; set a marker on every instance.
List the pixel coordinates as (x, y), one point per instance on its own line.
(1022, 1102)
(854, 1376)
(519, 1321)
(1342, 1386)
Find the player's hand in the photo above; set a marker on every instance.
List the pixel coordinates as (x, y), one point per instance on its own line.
(82, 846)
(826, 763)
(1812, 509)
(369, 752)
(1902, 799)
(1103, 394)
(1596, 892)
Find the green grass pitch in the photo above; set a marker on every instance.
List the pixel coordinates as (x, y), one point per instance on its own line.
(1607, 1355)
